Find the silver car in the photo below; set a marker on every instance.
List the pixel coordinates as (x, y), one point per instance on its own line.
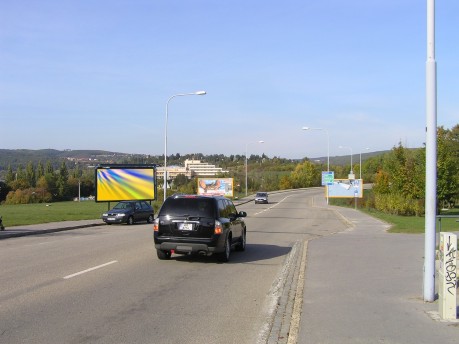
(261, 197)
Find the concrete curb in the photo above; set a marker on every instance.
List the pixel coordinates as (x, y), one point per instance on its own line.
(6, 234)
(288, 293)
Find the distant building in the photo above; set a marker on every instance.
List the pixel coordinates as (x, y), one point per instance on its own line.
(192, 168)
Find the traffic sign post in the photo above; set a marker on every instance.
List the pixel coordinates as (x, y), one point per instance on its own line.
(328, 178)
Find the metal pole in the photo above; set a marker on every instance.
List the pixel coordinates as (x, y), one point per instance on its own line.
(165, 149)
(246, 169)
(199, 93)
(431, 157)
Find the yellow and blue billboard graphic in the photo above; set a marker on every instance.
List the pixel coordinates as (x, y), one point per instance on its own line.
(125, 183)
(345, 188)
(215, 187)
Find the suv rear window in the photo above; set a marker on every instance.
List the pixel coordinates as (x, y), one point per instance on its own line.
(188, 207)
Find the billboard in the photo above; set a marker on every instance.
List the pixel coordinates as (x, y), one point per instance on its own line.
(215, 187)
(345, 188)
(125, 183)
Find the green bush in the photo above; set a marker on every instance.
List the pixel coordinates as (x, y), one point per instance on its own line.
(397, 204)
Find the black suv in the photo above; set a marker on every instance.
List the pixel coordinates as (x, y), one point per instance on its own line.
(199, 224)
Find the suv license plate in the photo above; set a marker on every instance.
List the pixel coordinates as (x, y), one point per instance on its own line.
(186, 226)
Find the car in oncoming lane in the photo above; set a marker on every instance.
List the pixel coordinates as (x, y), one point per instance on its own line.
(129, 212)
(261, 197)
(188, 224)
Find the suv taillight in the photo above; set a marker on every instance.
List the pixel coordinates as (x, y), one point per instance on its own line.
(156, 225)
(218, 229)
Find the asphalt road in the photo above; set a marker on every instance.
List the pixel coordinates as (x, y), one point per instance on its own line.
(105, 285)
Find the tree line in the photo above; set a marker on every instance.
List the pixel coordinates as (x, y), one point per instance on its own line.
(398, 176)
(44, 184)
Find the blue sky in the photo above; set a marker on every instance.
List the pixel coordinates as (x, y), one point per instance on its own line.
(97, 74)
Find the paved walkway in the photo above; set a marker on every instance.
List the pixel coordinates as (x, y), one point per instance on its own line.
(365, 285)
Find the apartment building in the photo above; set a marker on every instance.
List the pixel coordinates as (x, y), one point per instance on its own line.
(192, 168)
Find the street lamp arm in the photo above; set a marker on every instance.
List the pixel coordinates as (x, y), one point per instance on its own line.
(198, 93)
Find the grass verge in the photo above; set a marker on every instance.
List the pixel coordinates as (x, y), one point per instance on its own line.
(29, 214)
(406, 224)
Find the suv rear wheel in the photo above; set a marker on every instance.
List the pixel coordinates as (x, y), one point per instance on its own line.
(241, 245)
(163, 255)
(225, 255)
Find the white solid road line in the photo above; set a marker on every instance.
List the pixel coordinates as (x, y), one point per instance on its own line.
(274, 205)
(90, 269)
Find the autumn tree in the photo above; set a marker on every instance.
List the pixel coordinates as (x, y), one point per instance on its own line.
(305, 175)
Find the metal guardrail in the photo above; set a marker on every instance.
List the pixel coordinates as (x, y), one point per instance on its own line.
(439, 217)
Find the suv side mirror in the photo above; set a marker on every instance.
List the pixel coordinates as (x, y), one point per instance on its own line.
(242, 214)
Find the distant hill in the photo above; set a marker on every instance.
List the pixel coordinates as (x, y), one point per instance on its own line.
(346, 159)
(15, 157)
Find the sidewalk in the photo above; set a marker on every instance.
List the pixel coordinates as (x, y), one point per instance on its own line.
(366, 286)
(44, 228)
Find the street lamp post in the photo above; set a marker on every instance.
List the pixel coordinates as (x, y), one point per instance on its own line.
(261, 141)
(351, 172)
(198, 93)
(361, 163)
(431, 158)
